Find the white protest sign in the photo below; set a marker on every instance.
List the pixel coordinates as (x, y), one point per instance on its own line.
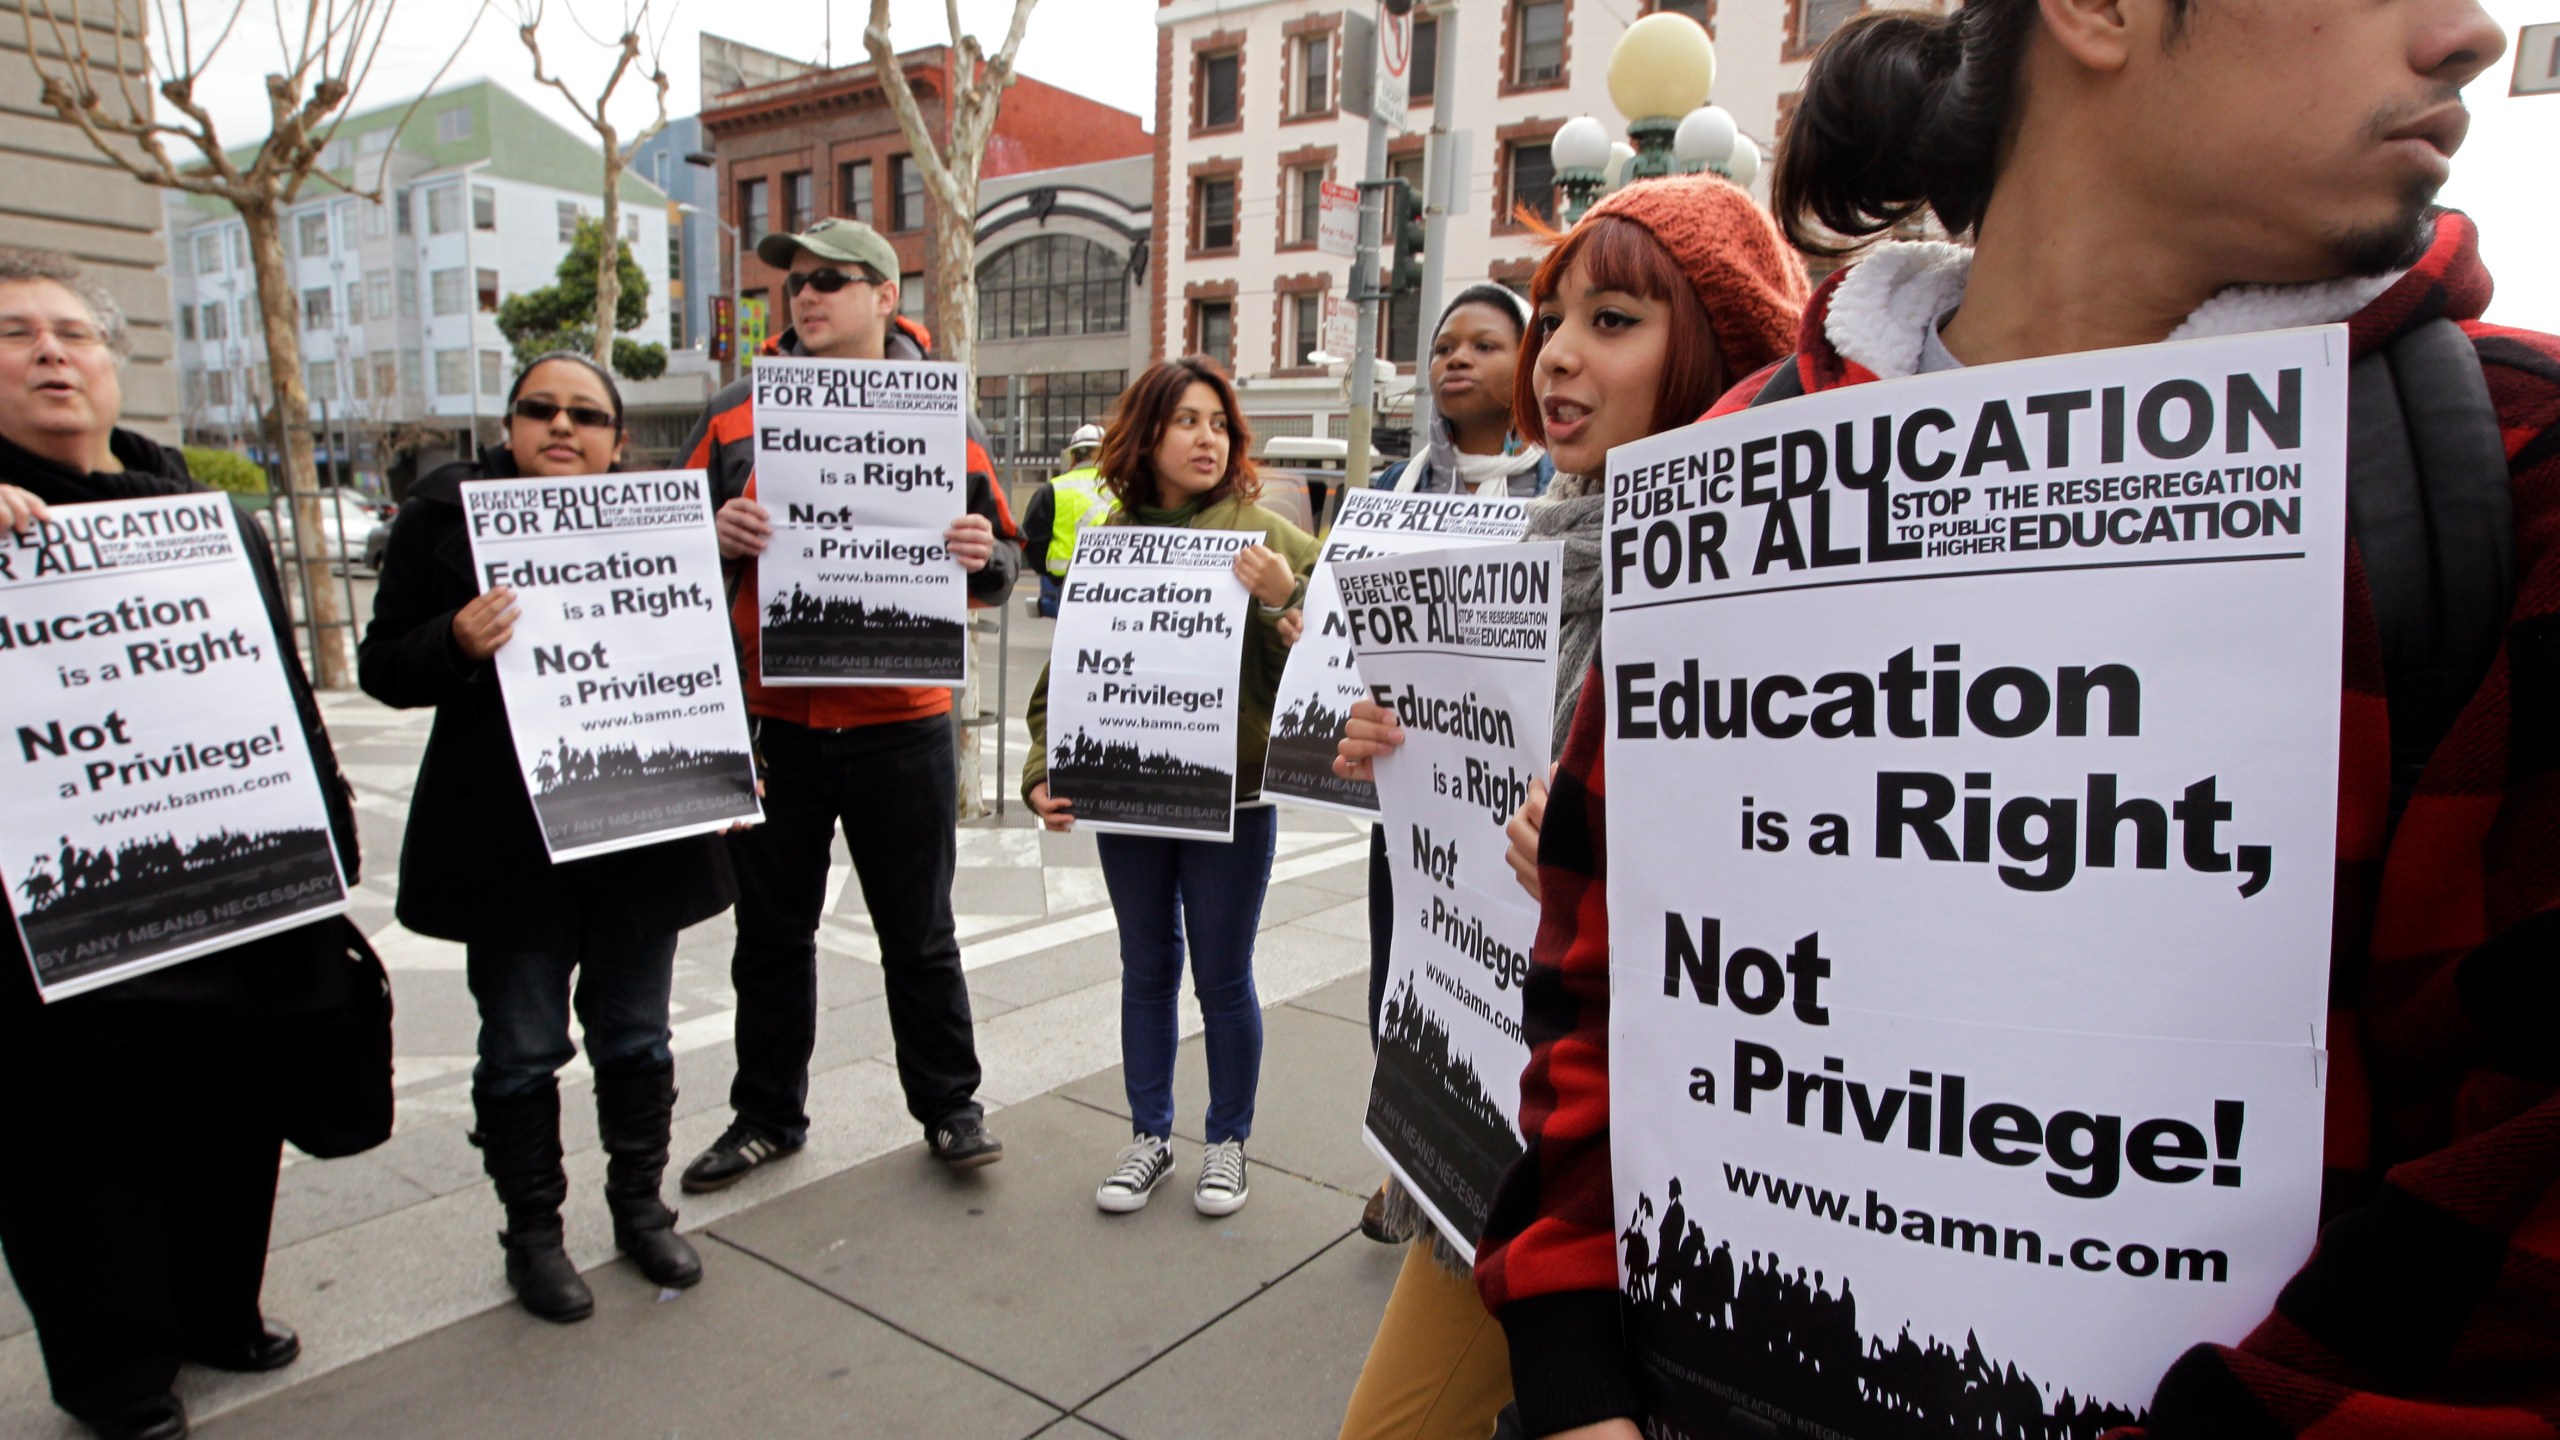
(863, 465)
(1971, 807)
(1143, 671)
(161, 799)
(621, 681)
(1320, 682)
(1461, 644)
(1338, 221)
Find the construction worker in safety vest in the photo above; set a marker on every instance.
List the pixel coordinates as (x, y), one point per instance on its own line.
(1058, 509)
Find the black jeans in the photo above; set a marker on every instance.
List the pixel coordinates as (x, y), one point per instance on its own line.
(894, 789)
(136, 1200)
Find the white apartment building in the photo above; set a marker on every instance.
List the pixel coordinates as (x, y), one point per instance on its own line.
(398, 299)
(1249, 122)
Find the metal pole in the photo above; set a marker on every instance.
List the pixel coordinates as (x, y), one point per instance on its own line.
(1364, 288)
(1440, 188)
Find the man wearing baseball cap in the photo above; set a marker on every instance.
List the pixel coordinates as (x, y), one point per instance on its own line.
(876, 761)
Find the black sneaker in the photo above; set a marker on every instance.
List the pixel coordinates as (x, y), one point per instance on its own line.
(962, 1142)
(737, 1151)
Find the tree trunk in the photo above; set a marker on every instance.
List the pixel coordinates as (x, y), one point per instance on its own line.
(951, 272)
(609, 252)
(280, 307)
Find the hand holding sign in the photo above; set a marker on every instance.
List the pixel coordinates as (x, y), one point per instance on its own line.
(483, 627)
(20, 509)
(1522, 831)
(1266, 573)
(1371, 731)
(1057, 815)
(972, 542)
(744, 527)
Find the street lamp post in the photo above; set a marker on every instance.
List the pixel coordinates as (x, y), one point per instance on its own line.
(1660, 75)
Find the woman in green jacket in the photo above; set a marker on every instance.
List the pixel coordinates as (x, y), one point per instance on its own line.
(1175, 457)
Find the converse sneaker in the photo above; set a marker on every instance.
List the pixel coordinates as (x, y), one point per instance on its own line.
(1144, 1165)
(1221, 1188)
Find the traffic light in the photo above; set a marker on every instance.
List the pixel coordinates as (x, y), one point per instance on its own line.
(1406, 274)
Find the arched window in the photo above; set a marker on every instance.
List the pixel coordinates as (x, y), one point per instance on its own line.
(1052, 285)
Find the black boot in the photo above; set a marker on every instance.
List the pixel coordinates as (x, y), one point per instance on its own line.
(635, 1106)
(519, 1140)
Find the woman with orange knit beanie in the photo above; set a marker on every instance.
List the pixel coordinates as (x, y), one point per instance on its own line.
(1661, 298)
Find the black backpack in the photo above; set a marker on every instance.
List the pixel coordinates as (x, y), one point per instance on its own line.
(2429, 504)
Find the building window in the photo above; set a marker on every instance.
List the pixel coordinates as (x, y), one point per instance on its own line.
(488, 292)
(1305, 328)
(217, 387)
(453, 372)
(908, 177)
(313, 229)
(1213, 331)
(911, 295)
(217, 320)
(492, 377)
(355, 303)
(350, 229)
(186, 322)
(209, 254)
(1537, 42)
(1817, 19)
(755, 211)
(484, 208)
(1529, 181)
(568, 221)
(1315, 74)
(444, 210)
(1422, 78)
(322, 377)
(1033, 415)
(631, 227)
(377, 286)
(400, 220)
(1213, 201)
(454, 125)
(250, 320)
(447, 284)
(377, 217)
(406, 290)
(1306, 209)
(409, 377)
(239, 247)
(386, 376)
(373, 142)
(1052, 285)
(319, 305)
(1221, 80)
(853, 191)
(356, 381)
(799, 198)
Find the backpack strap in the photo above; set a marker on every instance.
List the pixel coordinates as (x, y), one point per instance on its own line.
(2430, 506)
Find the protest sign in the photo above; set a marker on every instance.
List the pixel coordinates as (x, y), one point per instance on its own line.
(163, 801)
(1972, 757)
(1461, 644)
(1142, 681)
(621, 681)
(863, 464)
(1319, 684)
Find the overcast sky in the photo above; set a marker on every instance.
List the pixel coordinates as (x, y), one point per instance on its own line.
(1106, 49)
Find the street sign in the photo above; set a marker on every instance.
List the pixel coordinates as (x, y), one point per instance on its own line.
(1394, 69)
(2537, 60)
(1341, 327)
(1338, 220)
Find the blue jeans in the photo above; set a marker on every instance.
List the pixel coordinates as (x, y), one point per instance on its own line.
(621, 982)
(1211, 891)
(1053, 590)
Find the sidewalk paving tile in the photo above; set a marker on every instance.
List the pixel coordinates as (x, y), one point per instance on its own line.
(751, 1351)
(1012, 1267)
(1282, 1366)
(1344, 999)
(1309, 1126)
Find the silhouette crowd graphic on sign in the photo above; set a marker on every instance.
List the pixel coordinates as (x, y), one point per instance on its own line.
(76, 871)
(1310, 719)
(1790, 1340)
(1410, 1026)
(565, 768)
(800, 612)
(1119, 758)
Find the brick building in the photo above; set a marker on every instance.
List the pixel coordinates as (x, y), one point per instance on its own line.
(827, 143)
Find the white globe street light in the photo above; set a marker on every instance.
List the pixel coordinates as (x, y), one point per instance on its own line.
(1664, 66)
(1705, 136)
(1621, 155)
(1744, 167)
(1580, 151)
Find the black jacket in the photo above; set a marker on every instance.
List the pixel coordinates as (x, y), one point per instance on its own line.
(296, 971)
(473, 866)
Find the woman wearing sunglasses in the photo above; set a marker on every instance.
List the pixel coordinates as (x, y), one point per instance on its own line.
(599, 933)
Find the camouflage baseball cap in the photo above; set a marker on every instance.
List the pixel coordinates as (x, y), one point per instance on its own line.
(850, 241)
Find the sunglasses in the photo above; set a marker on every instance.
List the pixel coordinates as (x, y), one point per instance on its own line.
(825, 282)
(586, 417)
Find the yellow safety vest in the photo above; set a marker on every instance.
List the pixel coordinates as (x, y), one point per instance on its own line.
(1075, 496)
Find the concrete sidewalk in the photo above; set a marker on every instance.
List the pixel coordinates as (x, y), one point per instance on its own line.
(854, 1289)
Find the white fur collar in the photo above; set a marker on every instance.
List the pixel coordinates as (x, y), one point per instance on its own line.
(1884, 306)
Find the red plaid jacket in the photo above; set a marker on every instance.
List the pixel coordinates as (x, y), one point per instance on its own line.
(2431, 1306)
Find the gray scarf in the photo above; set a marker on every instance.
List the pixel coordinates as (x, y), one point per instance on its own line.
(1570, 512)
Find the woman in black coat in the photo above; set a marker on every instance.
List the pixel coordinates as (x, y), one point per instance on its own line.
(473, 868)
(142, 1122)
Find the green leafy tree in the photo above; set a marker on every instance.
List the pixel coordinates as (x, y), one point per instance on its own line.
(561, 315)
(226, 470)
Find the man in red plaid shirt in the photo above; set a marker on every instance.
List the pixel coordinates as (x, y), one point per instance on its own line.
(2131, 171)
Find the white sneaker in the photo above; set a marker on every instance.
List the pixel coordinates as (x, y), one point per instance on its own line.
(1144, 1165)
(1221, 1188)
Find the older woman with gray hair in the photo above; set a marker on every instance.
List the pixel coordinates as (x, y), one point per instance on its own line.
(144, 1121)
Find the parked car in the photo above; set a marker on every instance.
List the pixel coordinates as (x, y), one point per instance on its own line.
(342, 528)
(377, 541)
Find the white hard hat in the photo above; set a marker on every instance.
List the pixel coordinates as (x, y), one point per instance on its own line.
(1086, 436)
